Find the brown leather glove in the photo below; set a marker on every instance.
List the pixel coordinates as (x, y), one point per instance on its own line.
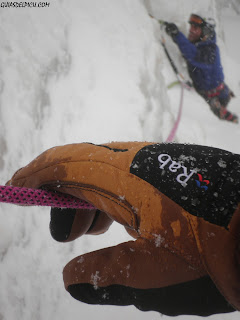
(180, 203)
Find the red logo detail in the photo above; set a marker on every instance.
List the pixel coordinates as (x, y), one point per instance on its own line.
(201, 179)
(200, 182)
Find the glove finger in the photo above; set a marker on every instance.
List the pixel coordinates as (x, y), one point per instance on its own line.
(137, 264)
(129, 273)
(61, 221)
(100, 224)
(70, 224)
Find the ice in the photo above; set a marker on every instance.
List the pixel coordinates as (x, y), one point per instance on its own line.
(222, 163)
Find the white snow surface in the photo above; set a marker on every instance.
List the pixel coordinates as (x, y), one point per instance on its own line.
(90, 70)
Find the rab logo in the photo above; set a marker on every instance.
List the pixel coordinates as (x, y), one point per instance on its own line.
(202, 183)
(183, 175)
(182, 172)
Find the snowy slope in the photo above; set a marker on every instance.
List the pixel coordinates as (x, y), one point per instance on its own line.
(89, 70)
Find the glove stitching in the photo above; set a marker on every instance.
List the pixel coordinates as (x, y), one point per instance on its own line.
(124, 204)
(55, 164)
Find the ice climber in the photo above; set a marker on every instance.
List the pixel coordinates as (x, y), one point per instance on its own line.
(204, 65)
(180, 202)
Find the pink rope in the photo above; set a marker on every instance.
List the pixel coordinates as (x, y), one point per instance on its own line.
(38, 197)
(175, 127)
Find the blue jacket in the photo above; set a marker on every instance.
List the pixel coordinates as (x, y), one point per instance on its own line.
(203, 60)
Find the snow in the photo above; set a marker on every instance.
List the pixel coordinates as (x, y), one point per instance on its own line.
(89, 70)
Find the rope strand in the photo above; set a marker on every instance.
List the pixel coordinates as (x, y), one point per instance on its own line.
(175, 127)
(38, 197)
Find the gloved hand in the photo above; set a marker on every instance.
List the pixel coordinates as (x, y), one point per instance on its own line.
(171, 29)
(168, 198)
